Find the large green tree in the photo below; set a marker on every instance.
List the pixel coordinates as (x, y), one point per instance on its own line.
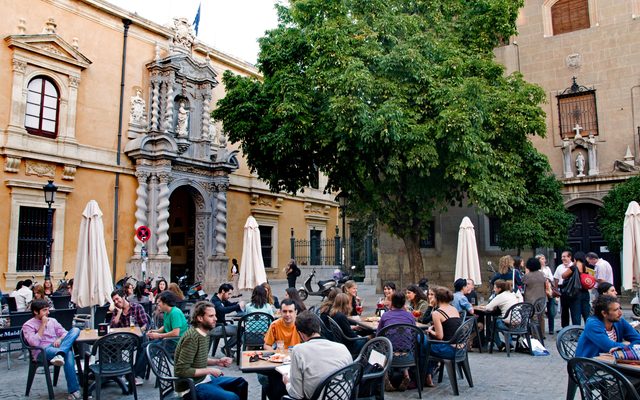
(541, 220)
(398, 102)
(611, 217)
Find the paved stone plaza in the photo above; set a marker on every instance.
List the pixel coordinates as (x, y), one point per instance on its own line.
(495, 376)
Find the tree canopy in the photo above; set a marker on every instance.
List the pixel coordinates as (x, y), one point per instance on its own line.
(398, 102)
(611, 217)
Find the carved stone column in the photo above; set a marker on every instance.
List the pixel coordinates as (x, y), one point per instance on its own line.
(592, 156)
(17, 107)
(141, 206)
(221, 218)
(566, 158)
(202, 220)
(155, 103)
(163, 214)
(206, 110)
(168, 112)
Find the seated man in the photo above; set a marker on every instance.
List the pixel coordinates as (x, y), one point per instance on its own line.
(23, 296)
(605, 329)
(460, 302)
(223, 306)
(123, 312)
(314, 359)
(191, 360)
(46, 332)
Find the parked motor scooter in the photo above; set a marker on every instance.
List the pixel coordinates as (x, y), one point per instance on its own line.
(192, 292)
(635, 303)
(323, 287)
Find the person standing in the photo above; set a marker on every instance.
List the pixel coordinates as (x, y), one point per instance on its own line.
(552, 303)
(565, 301)
(580, 305)
(46, 332)
(604, 272)
(235, 276)
(314, 359)
(292, 272)
(192, 361)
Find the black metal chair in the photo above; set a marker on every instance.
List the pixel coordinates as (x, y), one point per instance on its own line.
(11, 302)
(162, 368)
(252, 329)
(115, 356)
(222, 333)
(60, 302)
(460, 358)
(38, 358)
(598, 381)
(341, 385)
(64, 316)
(476, 329)
(407, 340)
(535, 325)
(566, 343)
(340, 337)
(372, 380)
(519, 316)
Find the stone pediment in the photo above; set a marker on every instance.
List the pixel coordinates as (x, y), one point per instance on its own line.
(185, 66)
(152, 147)
(49, 45)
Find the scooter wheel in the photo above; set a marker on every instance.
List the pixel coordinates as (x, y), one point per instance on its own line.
(636, 310)
(303, 294)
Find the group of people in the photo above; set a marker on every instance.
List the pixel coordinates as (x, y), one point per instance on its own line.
(27, 291)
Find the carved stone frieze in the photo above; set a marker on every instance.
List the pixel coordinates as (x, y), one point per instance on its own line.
(191, 170)
(12, 164)
(254, 199)
(312, 208)
(279, 202)
(74, 81)
(19, 66)
(69, 172)
(183, 35)
(40, 169)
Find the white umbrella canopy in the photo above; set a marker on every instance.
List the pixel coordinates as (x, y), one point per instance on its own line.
(252, 271)
(631, 246)
(467, 262)
(92, 283)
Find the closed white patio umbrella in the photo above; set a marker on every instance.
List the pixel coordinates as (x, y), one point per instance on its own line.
(467, 262)
(631, 246)
(92, 283)
(252, 271)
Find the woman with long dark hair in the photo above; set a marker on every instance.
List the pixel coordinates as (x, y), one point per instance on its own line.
(292, 293)
(259, 302)
(417, 301)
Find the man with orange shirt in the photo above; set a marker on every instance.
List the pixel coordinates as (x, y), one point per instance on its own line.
(283, 329)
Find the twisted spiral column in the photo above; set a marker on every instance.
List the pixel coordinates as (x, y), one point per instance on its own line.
(206, 104)
(221, 221)
(155, 106)
(168, 114)
(141, 205)
(163, 214)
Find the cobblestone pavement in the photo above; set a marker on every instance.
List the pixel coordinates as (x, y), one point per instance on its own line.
(494, 375)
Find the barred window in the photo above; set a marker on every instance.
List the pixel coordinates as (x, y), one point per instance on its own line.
(569, 15)
(41, 116)
(266, 238)
(577, 111)
(429, 242)
(32, 239)
(494, 232)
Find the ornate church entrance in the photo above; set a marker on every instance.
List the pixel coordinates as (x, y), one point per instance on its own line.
(182, 236)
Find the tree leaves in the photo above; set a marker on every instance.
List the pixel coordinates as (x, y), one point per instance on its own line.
(611, 217)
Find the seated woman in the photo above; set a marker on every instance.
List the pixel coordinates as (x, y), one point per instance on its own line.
(292, 293)
(259, 303)
(339, 311)
(351, 289)
(273, 300)
(38, 294)
(139, 294)
(161, 286)
(427, 316)
(388, 290)
(175, 289)
(605, 288)
(418, 304)
(446, 320)
(504, 300)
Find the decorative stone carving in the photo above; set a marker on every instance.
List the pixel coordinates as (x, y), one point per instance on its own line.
(201, 229)
(221, 223)
(183, 119)
(183, 35)
(156, 56)
(163, 214)
(580, 165)
(74, 43)
(155, 105)
(254, 199)
(12, 164)
(138, 109)
(265, 202)
(628, 157)
(141, 205)
(19, 66)
(69, 172)
(279, 202)
(574, 61)
(210, 187)
(22, 26)
(313, 208)
(40, 169)
(168, 112)
(50, 26)
(206, 99)
(74, 81)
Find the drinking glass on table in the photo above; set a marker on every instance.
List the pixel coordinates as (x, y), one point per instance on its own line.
(280, 346)
(359, 309)
(132, 322)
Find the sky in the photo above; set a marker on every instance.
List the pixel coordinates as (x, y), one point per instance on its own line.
(231, 26)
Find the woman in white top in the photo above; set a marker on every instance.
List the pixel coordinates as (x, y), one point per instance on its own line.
(505, 299)
(552, 303)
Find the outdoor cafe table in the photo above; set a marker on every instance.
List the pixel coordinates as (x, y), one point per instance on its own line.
(627, 369)
(260, 366)
(370, 324)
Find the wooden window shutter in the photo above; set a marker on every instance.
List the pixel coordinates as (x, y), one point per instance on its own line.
(569, 16)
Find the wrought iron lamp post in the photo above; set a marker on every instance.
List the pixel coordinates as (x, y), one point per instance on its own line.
(341, 199)
(49, 196)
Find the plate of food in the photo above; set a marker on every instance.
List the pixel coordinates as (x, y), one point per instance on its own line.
(372, 319)
(279, 358)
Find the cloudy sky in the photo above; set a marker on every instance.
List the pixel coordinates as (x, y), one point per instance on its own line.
(231, 26)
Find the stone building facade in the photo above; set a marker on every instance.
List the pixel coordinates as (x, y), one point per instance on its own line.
(116, 108)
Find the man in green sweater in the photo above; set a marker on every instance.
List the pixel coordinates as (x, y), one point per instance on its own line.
(192, 360)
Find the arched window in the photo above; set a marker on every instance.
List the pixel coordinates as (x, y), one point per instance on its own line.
(43, 101)
(569, 16)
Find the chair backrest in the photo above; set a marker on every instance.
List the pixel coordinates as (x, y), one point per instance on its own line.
(161, 367)
(326, 332)
(460, 339)
(19, 318)
(115, 348)
(60, 302)
(519, 316)
(64, 316)
(341, 385)
(598, 381)
(147, 305)
(383, 346)
(567, 341)
(405, 338)
(253, 327)
(538, 307)
(11, 302)
(336, 331)
(100, 315)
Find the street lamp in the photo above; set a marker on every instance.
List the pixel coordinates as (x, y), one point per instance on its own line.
(341, 199)
(49, 196)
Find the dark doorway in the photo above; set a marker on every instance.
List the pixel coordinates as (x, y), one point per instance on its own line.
(584, 235)
(182, 234)
(315, 237)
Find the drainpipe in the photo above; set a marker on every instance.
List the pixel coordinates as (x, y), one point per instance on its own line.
(636, 137)
(116, 188)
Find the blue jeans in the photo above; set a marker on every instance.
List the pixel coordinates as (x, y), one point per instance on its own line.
(552, 307)
(441, 350)
(66, 350)
(496, 336)
(223, 388)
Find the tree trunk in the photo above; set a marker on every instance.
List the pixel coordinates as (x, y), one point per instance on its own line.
(412, 244)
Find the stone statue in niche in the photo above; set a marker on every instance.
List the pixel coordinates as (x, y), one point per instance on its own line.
(213, 131)
(580, 162)
(138, 104)
(183, 117)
